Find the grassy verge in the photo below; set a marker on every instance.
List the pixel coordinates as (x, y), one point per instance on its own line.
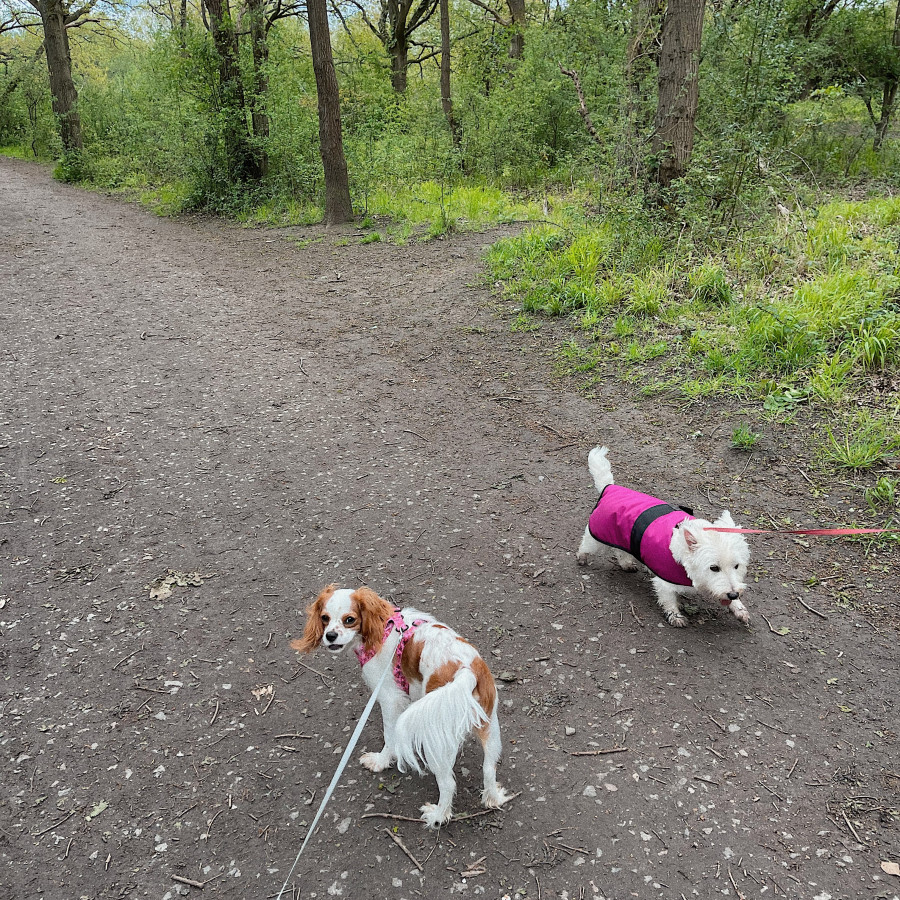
(802, 311)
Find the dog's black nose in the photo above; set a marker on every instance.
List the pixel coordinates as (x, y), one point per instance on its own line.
(331, 636)
(732, 595)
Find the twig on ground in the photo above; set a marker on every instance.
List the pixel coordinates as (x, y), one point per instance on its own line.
(705, 780)
(65, 818)
(770, 626)
(188, 881)
(814, 611)
(403, 847)
(303, 665)
(636, 619)
(124, 658)
(597, 752)
(850, 826)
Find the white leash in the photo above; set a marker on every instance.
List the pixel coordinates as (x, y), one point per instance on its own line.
(351, 744)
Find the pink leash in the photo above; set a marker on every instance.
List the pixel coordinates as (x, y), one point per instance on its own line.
(826, 531)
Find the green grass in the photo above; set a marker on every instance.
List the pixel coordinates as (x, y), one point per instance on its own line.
(744, 438)
(435, 209)
(866, 441)
(797, 312)
(884, 493)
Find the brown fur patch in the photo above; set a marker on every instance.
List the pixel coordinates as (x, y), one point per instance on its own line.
(485, 689)
(373, 612)
(443, 675)
(312, 634)
(410, 658)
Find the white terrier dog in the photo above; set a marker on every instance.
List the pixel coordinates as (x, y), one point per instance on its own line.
(685, 557)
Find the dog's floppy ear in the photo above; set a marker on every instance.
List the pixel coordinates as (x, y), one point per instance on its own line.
(373, 615)
(314, 630)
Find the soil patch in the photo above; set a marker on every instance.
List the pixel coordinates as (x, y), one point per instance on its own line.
(202, 425)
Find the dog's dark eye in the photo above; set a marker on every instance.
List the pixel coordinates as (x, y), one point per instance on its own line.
(713, 568)
(737, 565)
(349, 620)
(324, 620)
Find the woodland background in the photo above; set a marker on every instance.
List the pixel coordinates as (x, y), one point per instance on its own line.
(711, 185)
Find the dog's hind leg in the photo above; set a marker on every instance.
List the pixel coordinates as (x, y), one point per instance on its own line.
(435, 814)
(493, 796)
(587, 548)
(667, 598)
(627, 563)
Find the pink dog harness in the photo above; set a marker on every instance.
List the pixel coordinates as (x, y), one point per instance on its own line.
(406, 632)
(642, 526)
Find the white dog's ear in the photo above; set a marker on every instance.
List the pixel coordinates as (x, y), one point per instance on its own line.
(691, 538)
(725, 520)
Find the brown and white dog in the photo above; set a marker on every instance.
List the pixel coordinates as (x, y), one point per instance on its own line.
(441, 691)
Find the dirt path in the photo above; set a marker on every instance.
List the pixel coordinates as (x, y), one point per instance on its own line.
(191, 396)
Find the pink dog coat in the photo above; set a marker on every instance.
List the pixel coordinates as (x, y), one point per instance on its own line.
(406, 632)
(642, 526)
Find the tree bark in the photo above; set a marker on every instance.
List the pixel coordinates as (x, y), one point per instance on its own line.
(889, 93)
(399, 50)
(676, 111)
(242, 163)
(338, 207)
(260, 51)
(59, 66)
(639, 59)
(446, 98)
(517, 16)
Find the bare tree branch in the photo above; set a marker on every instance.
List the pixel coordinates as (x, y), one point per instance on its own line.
(506, 23)
(582, 106)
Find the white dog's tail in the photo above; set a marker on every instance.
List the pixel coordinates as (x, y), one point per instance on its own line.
(430, 731)
(600, 468)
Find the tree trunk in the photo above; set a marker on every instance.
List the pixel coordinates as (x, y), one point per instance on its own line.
(676, 111)
(638, 64)
(399, 50)
(242, 164)
(338, 207)
(888, 99)
(517, 16)
(260, 48)
(182, 26)
(889, 94)
(59, 65)
(446, 99)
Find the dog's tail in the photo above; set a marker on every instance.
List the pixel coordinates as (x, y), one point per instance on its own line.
(430, 731)
(601, 471)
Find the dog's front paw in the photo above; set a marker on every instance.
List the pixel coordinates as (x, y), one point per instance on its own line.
(741, 614)
(433, 816)
(582, 558)
(376, 762)
(676, 620)
(495, 797)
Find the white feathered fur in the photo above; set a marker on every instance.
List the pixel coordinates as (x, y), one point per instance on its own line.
(451, 691)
